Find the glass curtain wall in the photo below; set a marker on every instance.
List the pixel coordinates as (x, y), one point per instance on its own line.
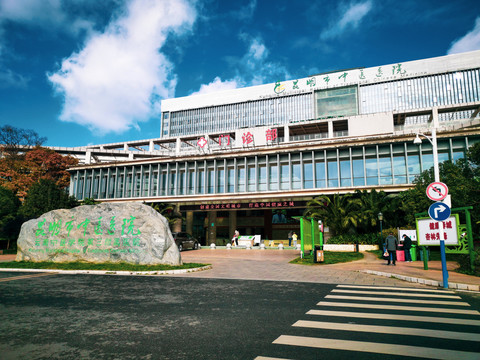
(423, 92)
(228, 117)
(370, 165)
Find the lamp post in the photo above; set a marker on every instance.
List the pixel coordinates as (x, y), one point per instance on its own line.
(436, 172)
(380, 218)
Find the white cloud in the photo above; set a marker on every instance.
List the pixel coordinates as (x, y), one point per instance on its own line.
(351, 18)
(111, 84)
(253, 68)
(218, 85)
(469, 42)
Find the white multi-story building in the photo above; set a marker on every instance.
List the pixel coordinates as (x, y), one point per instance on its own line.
(251, 158)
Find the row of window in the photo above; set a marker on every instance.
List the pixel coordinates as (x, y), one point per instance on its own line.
(234, 116)
(378, 165)
(405, 94)
(422, 92)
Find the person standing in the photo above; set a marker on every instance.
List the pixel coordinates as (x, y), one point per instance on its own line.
(391, 243)
(294, 238)
(236, 235)
(290, 238)
(407, 245)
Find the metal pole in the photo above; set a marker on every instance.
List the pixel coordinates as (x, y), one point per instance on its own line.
(471, 250)
(381, 231)
(436, 172)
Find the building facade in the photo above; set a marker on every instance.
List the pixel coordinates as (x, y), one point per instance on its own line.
(252, 158)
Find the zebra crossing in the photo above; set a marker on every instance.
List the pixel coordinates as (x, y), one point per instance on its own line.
(375, 322)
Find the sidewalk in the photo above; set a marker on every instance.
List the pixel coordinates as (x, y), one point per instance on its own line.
(273, 265)
(414, 272)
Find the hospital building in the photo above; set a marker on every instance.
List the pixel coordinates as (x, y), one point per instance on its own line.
(251, 158)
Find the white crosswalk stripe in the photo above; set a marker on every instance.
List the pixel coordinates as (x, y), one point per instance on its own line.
(419, 327)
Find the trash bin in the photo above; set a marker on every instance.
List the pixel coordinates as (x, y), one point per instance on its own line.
(413, 253)
(420, 250)
(317, 254)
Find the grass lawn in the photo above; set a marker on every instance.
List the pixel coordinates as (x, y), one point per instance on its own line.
(91, 266)
(330, 257)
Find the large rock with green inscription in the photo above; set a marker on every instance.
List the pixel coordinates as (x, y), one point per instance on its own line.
(122, 232)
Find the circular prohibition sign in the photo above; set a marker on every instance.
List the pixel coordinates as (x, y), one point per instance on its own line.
(437, 191)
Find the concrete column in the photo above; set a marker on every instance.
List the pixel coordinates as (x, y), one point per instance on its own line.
(151, 146)
(212, 228)
(232, 223)
(88, 157)
(286, 133)
(177, 225)
(267, 223)
(178, 146)
(330, 129)
(189, 220)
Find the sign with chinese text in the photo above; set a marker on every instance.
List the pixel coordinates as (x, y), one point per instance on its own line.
(429, 231)
(257, 205)
(133, 233)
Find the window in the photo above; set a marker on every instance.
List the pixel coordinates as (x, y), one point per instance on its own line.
(385, 166)
(181, 182)
(211, 181)
(400, 169)
(231, 179)
(358, 172)
(201, 181)
(284, 177)
(241, 178)
(332, 168)
(273, 181)
(320, 174)
(262, 177)
(191, 181)
(371, 166)
(296, 176)
(220, 180)
(413, 167)
(337, 102)
(345, 173)
(251, 178)
(308, 175)
(173, 183)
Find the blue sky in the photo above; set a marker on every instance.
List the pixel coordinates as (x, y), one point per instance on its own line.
(90, 72)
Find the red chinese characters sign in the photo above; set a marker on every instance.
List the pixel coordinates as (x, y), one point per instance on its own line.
(250, 205)
(430, 231)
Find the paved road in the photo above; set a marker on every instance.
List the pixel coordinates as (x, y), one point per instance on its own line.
(382, 323)
(53, 316)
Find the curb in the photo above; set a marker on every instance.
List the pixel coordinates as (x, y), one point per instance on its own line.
(110, 272)
(456, 286)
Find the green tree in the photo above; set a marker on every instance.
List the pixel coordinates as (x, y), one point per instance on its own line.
(371, 203)
(44, 196)
(338, 212)
(10, 220)
(169, 211)
(463, 187)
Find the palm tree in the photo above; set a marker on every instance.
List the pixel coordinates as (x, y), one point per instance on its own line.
(372, 203)
(338, 212)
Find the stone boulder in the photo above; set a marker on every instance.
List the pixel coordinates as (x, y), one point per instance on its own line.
(108, 232)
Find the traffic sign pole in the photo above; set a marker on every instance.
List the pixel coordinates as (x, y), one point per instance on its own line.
(438, 211)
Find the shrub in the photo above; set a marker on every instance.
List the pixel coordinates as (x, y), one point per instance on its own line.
(363, 239)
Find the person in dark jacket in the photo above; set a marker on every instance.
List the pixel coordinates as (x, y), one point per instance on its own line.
(391, 243)
(407, 245)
